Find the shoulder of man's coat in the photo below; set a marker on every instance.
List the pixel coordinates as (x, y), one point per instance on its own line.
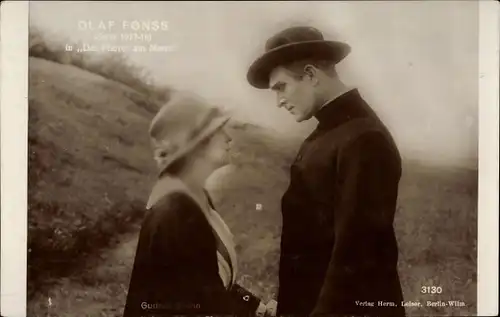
(369, 142)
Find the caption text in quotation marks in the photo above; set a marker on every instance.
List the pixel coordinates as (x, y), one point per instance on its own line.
(151, 48)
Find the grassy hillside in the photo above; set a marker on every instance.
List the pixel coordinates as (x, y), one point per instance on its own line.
(89, 162)
(90, 165)
(90, 173)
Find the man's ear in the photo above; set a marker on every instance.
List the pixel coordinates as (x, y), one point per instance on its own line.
(312, 73)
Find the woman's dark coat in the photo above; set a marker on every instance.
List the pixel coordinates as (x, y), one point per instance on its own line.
(338, 247)
(175, 269)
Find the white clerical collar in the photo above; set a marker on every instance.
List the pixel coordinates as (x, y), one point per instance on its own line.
(340, 93)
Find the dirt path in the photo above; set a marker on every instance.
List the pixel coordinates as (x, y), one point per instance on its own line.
(99, 291)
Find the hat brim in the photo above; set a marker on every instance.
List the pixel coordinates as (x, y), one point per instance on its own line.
(216, 124)
(259, 71)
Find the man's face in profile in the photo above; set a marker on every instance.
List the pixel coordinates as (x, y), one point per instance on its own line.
(295, 93)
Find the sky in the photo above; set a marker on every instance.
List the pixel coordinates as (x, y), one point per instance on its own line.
(415, 62)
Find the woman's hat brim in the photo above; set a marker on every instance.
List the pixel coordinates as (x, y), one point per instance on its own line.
(215, 125)
(259, 71)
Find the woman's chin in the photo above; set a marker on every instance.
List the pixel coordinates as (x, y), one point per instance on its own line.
(216, 179)
(224, 165)
(226, 168)
(221, 165)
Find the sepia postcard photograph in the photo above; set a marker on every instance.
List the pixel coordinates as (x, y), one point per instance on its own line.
(250, 159)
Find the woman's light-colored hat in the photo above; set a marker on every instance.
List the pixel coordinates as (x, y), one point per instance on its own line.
(182, 123)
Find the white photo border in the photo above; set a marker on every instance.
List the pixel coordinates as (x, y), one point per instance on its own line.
(487, 264)
(14, 139)
(13, 130)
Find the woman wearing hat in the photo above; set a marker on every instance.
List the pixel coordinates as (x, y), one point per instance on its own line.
(185, 261)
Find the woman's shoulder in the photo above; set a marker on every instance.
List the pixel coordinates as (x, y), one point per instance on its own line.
(175, 206)
(171, 206)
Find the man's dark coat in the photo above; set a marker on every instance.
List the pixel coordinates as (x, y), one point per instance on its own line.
(338, 247)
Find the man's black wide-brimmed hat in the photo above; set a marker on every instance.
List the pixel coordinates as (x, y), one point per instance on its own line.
(290, 45)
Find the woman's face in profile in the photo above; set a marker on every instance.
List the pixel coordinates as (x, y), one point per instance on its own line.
(218, 148)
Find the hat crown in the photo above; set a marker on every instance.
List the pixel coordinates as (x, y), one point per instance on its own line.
(181, 119)
(295, 34)
(293, 44)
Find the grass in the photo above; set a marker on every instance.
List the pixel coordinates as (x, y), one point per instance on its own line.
(89, 165)
(437, 230)
(90, 172)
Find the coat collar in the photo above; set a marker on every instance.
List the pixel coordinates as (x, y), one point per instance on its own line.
(163, 186)
(168, 184)
(344, 108)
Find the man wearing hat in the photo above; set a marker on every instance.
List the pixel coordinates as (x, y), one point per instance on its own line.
(338, 247)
